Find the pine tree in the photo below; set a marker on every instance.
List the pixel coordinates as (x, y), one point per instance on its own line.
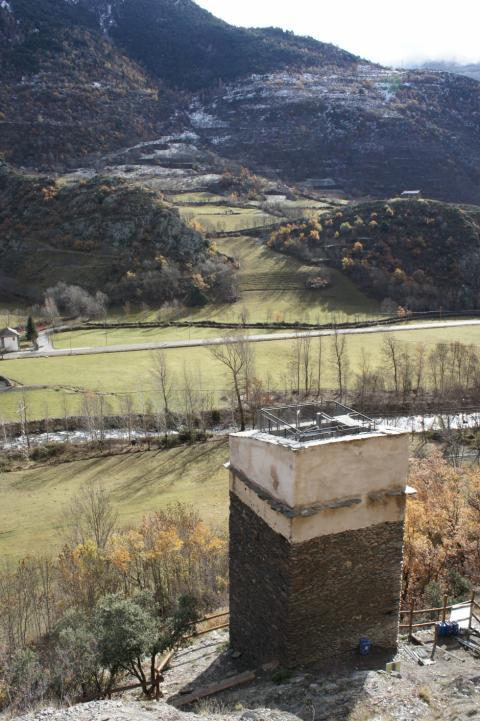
(31, 332)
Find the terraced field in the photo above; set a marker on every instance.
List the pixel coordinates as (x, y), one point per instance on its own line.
(222, 219)
(273, 286)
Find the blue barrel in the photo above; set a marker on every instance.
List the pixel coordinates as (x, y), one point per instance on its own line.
(365, 646)
(447, 628)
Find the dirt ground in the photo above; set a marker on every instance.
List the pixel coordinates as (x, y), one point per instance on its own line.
(449, 689)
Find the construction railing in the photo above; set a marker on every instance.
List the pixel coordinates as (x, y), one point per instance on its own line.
(472, 613)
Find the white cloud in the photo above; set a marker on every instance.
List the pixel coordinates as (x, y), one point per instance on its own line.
(380, 30)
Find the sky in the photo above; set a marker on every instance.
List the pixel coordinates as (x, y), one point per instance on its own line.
(392, 33)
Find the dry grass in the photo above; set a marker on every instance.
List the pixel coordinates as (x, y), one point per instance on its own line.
(33, 500)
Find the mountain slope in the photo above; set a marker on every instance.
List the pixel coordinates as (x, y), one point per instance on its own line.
(365, 129)
(471, 70)
(82, 77)
(189, 48)
(103, 235)
(67, 94)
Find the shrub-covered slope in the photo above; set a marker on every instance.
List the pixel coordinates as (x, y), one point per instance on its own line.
(67, 94)
(190, 48)
(81, 77)
(421, 254)
(102, 235)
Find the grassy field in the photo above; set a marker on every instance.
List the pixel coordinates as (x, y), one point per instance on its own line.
(13, 315)
(34, 501)
(218, 218)
(271, 288)
(118, 374)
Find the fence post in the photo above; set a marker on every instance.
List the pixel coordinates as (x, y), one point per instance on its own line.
(158, 679)
(435, 641)
(410, 622)
(444, 609)
(472, 599)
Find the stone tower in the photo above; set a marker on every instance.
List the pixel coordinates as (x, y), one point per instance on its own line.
(317, 504)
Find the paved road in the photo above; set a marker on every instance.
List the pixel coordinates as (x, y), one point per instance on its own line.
(48, 352)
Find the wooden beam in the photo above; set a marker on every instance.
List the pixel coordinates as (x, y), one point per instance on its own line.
(207, 630)
(214, 688)
(444, 609)
(433, 610)
(410, 622)
(209, 618)
(164, 661)
(418, 625)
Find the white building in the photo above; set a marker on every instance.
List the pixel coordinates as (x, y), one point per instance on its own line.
(9, 340)
(411, 194)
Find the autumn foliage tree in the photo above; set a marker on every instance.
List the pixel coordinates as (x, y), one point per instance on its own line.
(442, 540)
(109, 604)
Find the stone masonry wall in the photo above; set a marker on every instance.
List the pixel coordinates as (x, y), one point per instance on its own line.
(313, 601)
(342, 587)
(259, 581)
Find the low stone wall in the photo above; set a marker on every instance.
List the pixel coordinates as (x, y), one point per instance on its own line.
(311, 601)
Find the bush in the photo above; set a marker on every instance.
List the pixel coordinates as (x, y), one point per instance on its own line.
(75, 301)
(125, 632)
(459, 586)
(196, 298)
(433, 595)
(25, 680)
(44, 452)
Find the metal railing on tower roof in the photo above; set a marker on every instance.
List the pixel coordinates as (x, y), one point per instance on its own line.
(314, 421)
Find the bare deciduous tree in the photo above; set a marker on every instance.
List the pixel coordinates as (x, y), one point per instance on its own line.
(165, 381)
(340, 360)
(237, 355)
(391, 353)
(92, 515)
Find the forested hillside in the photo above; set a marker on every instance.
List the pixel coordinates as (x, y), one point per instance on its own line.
(84, 78)
(418, 253)
(103, 235)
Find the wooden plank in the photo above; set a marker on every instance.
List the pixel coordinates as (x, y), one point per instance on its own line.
(207, 630)
(471, 647)
(164, 661)
(238, 680)
(416, 641)
(476, 618)
(418, 625)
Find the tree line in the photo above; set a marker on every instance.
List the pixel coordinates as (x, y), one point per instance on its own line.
(403, 377)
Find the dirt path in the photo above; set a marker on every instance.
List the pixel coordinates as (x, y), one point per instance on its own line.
(46, 352)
